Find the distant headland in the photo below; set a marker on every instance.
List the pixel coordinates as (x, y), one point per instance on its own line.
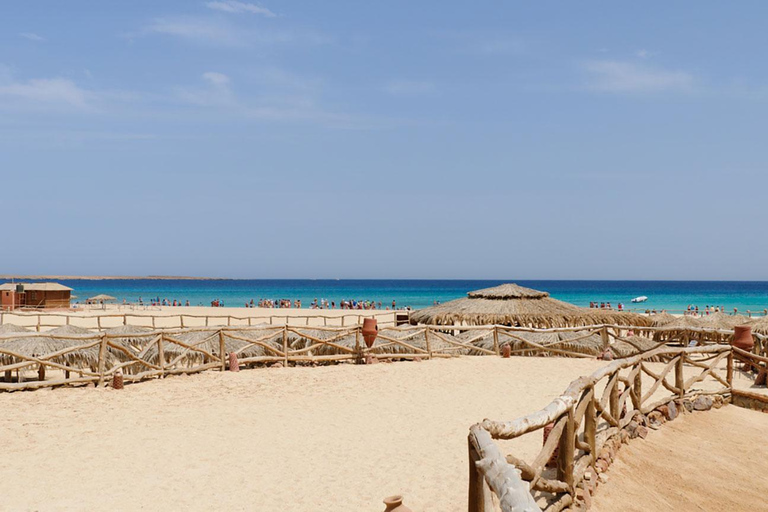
(101, 278)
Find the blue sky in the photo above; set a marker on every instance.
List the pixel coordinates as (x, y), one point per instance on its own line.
(542, 140)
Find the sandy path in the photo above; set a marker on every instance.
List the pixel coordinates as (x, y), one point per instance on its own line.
(708, 461)
(299, 439)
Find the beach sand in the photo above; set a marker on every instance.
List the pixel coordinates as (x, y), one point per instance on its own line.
(709, 461)
(296, 439)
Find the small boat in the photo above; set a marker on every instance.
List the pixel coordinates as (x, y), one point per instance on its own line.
(641, 298)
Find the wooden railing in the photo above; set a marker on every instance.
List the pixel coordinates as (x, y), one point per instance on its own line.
(149, 353)
(592, 411)
(43, 320)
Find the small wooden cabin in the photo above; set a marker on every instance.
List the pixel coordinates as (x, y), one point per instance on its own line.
(34, 295)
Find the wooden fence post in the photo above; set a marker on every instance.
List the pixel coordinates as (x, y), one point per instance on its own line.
(102, 357)
(614, 399)
(222, 355)
(590, 429)
(285, 344)
(566, 456)
(496, 340)
(638, 385)
(476, 499)
(161, 355)
(426, 341)
(679, 376)
(729, 374)
(604, 338)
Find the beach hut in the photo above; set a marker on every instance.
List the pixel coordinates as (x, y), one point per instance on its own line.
(511, 304)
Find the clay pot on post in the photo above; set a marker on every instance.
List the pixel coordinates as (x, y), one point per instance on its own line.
(395, 504)
(742, 338)
(370, 331)
(552, 462)
(117, 379)
(234, 364)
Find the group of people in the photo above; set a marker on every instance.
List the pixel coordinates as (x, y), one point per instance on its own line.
(156, 301)
(606, 305)
(320, 304)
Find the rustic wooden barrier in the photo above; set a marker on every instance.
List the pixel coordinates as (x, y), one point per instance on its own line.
(44, 320)
(83, 359)
(592, 410)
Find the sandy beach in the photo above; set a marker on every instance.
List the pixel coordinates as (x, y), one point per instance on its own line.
(711, 461)
(301, 439)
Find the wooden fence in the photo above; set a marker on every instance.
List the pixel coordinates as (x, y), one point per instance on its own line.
(142, 353)
(44, 320)
(591, 412)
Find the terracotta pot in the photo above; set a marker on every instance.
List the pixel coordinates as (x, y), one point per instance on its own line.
(552, 462)
(506, 351)
(234, 364)
(742, 337)
(117, 380)
(370, 331)
(395, 504)
(761, 379)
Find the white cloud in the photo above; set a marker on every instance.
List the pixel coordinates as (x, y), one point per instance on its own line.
(216, 79)
(409, 87)
(642, 54)
(627, 77)
(46, 90)
(234, 6)
(221, 32)
(32, 37)
(197, 29)
(216, 93)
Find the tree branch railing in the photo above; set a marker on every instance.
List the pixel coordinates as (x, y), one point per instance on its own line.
(83, 359)
(591, 411)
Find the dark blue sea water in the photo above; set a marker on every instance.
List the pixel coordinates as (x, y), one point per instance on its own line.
(670, 295)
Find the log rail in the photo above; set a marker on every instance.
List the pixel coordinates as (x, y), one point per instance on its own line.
(591, 413)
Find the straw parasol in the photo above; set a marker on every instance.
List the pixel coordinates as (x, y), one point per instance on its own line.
(100, 298)
(633, 345)
(511, 304)
(132, 338)
(36, 345)
(720, 320)
(12, 329)
(661, 319)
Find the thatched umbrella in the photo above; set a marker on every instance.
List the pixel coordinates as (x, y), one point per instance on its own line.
(510, 304)
(661, 319)
(40, 345)
(415, 337)
(760, 326)
(633, 345)
(584, 342)
(12, 329)
(132, 338)
(273, 339)
(720, 320)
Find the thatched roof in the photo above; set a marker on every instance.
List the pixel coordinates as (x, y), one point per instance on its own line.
(584, 341)
(722, 321)
(760, 326)
(101, 297)
(632, 345)
(12, 328)
(661, 319)
(510, 304)
(38, 346)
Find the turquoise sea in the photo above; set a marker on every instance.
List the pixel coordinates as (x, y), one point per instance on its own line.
(670, 295)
